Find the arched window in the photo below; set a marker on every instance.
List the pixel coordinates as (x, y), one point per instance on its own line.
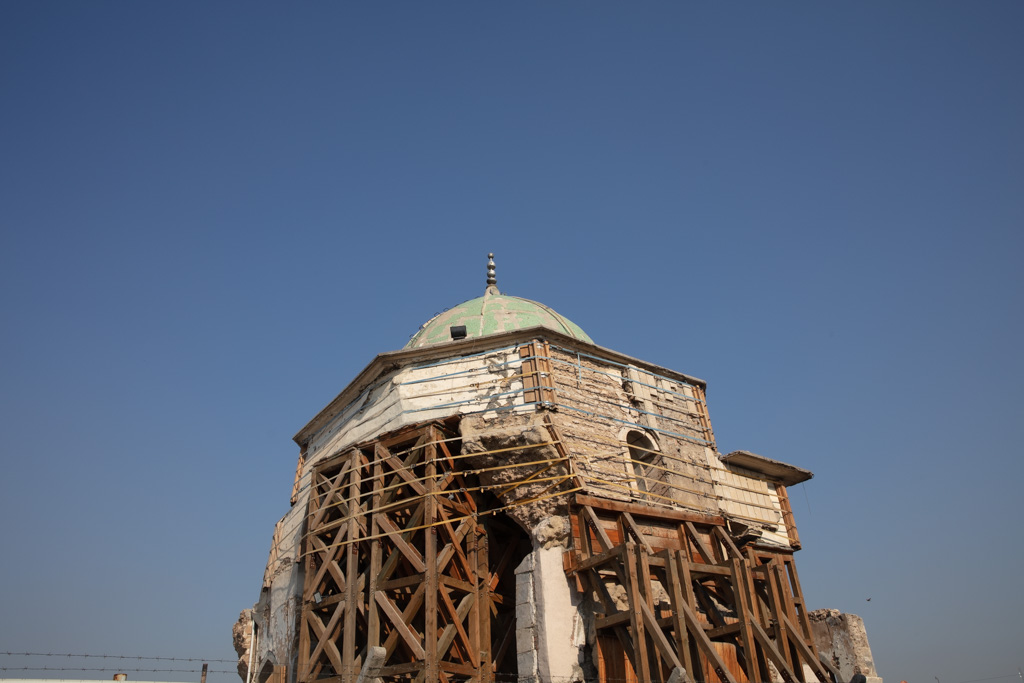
(643, 453)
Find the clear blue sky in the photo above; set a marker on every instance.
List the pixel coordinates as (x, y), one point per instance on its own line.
(213, 215)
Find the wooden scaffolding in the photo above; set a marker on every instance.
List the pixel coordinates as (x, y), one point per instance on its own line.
(673, 591)
(403, 552)
(397, 558)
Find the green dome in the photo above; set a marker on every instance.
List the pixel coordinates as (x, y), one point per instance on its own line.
(492, 313)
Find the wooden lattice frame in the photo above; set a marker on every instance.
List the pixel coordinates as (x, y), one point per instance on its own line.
(722, 615)
(396, 557)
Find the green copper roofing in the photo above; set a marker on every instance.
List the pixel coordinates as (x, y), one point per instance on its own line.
(492, 313)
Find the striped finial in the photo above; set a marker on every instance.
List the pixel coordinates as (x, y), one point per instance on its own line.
(491, 280)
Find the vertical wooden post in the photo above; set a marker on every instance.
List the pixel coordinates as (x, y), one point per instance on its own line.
(351, 570)
(483, 603)
(777, 606)
(744, 613)
(373, 616)
(202, 679)
(636, 619)
(430, 559)
(787, 516)
(676, 594)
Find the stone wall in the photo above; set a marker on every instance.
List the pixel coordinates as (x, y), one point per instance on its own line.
(842, 639)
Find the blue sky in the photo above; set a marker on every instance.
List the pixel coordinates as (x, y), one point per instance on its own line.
(213, 215)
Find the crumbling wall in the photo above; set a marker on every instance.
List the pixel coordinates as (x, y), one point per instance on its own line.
(241, 638)
(842, 639)
(508, 448)
(600, 401)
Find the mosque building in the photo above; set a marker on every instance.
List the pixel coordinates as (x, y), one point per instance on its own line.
(505, 500)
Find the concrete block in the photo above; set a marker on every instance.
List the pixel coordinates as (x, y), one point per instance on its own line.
(526, 615)
(524, 590)
(526, 640)
(527, 664)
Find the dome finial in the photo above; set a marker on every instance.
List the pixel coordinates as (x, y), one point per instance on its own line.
(491, 280)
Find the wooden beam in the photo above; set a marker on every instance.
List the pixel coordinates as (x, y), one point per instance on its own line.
(352, 569)
(430, 557)
(634, 529)
(398, 623)
(746, 620)
(647, 510)
(808, 655)
(703, 550)
(636, 620)
(772, 652)
(676, 596)
(706, 646)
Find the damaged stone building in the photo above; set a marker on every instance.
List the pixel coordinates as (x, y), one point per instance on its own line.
(505, 500)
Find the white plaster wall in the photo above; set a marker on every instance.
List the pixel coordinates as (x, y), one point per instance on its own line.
(414, 394)
(550, 634)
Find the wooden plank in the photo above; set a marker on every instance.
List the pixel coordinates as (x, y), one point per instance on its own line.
(456, 622)
(743, 612)
(406, 617)
(397, 536)
(404, 582)
(709, 569)
(456, 537)
(458, 584)
(676, 596)
(706, 646)
(336, 482)
(545, 381)
(328, 644)
(430, 556)
(329, 554)
(809, 656)
(351, 570)
(778, 659)
(647, 601)
(636, 620)
(528, 354)
(457, 668)
(634, 529)
(727, 630)
(595, 524)
(373, 617)
(803, 619)
(328, 633)
(391, 563)
(398, 622)
(599, 559)
(698, 542)
(474, 611)
(778, 607)
(559, 443)
(611, 620)
(482, 606)
(303, 659)
(788, 608)
(401, 669)
(787, 516)
(658, 636)
(638, 509)
(727, 542)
